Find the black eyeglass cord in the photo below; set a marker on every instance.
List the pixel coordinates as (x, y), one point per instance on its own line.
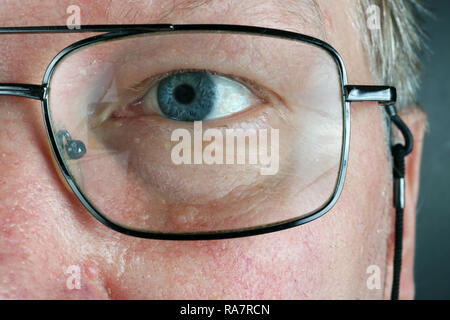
(399, 152)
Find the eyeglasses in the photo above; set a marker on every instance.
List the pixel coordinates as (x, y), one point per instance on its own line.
(195, 132)
(164, 131)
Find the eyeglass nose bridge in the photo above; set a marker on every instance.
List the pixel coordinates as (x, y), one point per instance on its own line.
(31, 91)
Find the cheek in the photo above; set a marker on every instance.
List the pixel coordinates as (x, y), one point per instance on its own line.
(38, 221)
(282, 265)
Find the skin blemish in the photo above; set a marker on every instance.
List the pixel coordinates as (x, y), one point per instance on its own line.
(186, 216)
(91, 270)
(92, 284)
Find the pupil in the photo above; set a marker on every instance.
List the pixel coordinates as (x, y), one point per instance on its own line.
(184, 94)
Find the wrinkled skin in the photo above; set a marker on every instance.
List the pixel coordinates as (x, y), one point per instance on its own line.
(44, 229)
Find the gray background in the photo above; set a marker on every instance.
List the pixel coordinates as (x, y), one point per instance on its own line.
(432, 266)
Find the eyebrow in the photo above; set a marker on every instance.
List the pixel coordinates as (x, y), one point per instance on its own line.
(292, 15)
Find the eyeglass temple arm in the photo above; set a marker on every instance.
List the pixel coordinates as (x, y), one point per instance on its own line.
(382, 94)
(31, 91)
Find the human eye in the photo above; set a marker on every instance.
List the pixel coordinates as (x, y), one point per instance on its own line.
(187, 96)
(198, 95)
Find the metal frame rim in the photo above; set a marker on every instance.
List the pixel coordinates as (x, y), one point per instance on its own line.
(208, 235)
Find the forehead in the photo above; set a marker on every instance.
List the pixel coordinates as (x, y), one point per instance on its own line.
(302, 16)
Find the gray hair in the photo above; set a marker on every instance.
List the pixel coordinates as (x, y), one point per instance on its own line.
(395, 49)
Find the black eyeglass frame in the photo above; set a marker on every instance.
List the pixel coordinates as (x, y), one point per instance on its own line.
(384, 95)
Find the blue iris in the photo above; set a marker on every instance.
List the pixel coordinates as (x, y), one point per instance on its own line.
(187, 96)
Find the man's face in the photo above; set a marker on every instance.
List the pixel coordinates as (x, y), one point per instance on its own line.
(44, 229)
